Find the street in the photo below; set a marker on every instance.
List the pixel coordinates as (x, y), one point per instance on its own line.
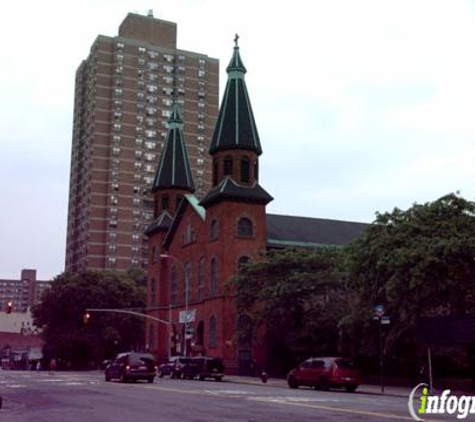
(85, 396)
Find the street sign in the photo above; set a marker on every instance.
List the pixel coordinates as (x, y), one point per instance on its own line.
(187, 316)
(379, 310)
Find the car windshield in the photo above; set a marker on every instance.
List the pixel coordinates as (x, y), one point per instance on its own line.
(345, 364)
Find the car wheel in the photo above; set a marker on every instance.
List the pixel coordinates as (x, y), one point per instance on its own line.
(351, 388)
(107, 378)
(219, 379)
(150, 380)
(201, 378)
(160, 374)
(123, 378)
(292, 383)
(324, 385)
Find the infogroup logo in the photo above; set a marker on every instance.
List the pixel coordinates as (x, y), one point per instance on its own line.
(420, 403)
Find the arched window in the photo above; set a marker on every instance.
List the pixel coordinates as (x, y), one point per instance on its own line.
(244, 227)
(213, 285)
(187, 286)
(153, 292)
(213, 332)
(201, 279)
(200, 333)
(215, 173)
(174, 286)
(178, 200)
(244, 169)
(214, 230)
(228, 165)
(243, 260)
(151, 336)
(165, 202)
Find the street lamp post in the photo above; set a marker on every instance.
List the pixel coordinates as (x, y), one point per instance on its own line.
(173, 258)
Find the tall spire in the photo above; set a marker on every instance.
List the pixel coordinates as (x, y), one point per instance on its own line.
(235, 127)
(174, 168)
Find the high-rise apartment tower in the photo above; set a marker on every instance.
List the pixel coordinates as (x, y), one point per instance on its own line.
(124, 94)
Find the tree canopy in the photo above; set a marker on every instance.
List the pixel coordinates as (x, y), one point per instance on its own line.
(61, 311)
(416, 263)
(298, 295)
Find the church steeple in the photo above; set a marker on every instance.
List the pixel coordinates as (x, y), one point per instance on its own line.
(174, 168)
(235, 127)
(173, 177)
(235, 146)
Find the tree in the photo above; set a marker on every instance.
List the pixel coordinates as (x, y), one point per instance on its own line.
(298, 295)
(417, 263)
(61, 311)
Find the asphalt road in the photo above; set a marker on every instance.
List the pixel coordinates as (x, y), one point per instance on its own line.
(86, 397)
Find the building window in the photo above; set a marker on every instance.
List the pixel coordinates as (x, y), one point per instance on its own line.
(214, 229)
(165, 202)
(213, 284)
(151, 336)
(256, 171)
(153, 292)
(188, 283)
(215, 173)
(242, 261)
(174, 286)
(244, 170)
(244, 227)
(200, 334)
(201, 279)
(213, 332)
(154, 254)
(228, 165)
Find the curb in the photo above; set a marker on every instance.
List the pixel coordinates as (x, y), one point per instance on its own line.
(363, 389)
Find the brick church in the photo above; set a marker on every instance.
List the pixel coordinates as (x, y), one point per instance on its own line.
(196, 245)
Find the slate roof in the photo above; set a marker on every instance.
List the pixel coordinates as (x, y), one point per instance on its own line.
(162, 222)
(174, 168)
(228, 189)
(235, 127)
(188, 200)
(287, 231)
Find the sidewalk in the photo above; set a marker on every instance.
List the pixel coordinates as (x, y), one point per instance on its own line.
(282, 383)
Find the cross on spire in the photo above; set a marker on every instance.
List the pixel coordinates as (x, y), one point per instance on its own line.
(236, 38)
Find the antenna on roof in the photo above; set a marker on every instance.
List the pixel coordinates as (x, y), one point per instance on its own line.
(150, 13)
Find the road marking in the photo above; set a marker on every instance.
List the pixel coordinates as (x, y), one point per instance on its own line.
(337, 409)
(289, 401)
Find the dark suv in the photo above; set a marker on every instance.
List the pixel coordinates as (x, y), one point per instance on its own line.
(174, 367)
(132, 366)
(204, 367)
(324, 373)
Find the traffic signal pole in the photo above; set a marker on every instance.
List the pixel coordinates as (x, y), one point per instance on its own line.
(126, 311)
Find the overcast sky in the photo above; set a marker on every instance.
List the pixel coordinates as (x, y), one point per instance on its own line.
(361, 106)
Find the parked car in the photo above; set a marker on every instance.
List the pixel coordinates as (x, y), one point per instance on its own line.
(174, 367)
(325, 373)
(132, 367)
(204, 367)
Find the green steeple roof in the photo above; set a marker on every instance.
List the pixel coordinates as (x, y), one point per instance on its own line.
(174, 168)
(235, 127)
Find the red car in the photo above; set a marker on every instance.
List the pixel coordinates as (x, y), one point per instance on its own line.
(325, 373)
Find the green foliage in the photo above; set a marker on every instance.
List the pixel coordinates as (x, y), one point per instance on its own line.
(418, 262)
(62, 308)
(299, 296)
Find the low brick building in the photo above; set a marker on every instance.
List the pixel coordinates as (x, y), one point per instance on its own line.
(196, 246)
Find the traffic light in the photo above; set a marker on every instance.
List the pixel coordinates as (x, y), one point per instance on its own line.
(86, 317)
(9, 307)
